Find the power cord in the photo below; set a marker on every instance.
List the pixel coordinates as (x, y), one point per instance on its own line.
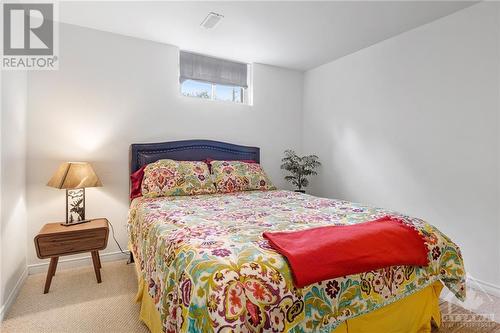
(118, 244)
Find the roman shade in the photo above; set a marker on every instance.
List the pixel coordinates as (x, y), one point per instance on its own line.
(212, 70)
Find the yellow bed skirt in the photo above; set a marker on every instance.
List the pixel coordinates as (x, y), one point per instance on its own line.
(149, 315)
(412, 314)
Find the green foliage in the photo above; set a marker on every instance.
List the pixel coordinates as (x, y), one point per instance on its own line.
(299, 168)
(202, 94)
(199, 94)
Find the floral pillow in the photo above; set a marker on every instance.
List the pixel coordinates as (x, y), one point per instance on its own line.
(172, 178)
(235, 176)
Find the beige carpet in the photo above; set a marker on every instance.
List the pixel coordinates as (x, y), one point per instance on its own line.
(76, 303)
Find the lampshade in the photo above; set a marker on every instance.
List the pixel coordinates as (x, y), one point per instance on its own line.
(73, 175)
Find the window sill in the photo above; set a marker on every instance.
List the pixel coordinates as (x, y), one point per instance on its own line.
(194, 98)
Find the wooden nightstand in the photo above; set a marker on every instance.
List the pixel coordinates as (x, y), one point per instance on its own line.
(55, 240)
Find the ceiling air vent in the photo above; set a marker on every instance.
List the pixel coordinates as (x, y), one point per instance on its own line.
(211, 20)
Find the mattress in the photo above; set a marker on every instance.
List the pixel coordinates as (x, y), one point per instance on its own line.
(207, 268)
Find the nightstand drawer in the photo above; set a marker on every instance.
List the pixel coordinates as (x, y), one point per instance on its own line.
(71, 242)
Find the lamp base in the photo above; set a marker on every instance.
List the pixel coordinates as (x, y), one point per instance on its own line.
(68, 224)
(75, 206)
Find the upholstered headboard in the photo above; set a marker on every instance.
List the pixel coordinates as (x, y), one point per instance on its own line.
(189, 150)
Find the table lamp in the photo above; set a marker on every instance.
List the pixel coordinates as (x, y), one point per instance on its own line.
(74, 177)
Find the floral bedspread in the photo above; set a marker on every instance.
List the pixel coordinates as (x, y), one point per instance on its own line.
(208, 269)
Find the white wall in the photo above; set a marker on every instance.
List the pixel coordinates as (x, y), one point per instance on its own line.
(111, 91)
(12, 185)
(412, 124)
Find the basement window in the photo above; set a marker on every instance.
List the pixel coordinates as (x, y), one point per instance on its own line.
(213, 78)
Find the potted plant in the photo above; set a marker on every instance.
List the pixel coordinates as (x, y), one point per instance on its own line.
(299, 168)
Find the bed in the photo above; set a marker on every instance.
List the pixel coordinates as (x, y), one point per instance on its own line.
(203, 265)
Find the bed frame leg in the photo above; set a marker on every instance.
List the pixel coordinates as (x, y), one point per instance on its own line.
(130, 259)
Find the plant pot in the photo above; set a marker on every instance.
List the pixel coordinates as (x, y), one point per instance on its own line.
(301, 191)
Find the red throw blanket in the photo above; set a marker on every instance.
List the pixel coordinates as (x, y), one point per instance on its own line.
(328, 252)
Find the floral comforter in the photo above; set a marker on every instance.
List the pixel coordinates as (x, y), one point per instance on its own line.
(208, 269)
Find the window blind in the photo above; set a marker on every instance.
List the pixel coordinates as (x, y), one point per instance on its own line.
(212, 70)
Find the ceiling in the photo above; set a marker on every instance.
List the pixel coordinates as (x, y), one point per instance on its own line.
(297, 35)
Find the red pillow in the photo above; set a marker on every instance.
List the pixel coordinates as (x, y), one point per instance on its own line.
(136, 182)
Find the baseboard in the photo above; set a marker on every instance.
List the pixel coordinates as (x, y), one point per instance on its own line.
(486, 287)
(76, 262)
(13, 294)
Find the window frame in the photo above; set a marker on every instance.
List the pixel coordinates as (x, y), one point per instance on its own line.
(246, 93)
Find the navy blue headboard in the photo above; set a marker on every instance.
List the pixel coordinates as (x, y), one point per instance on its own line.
(189, 150)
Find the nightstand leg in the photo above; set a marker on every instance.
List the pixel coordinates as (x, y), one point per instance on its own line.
(95, 261)
(98, 259)
(50, 273)
(55, 266)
